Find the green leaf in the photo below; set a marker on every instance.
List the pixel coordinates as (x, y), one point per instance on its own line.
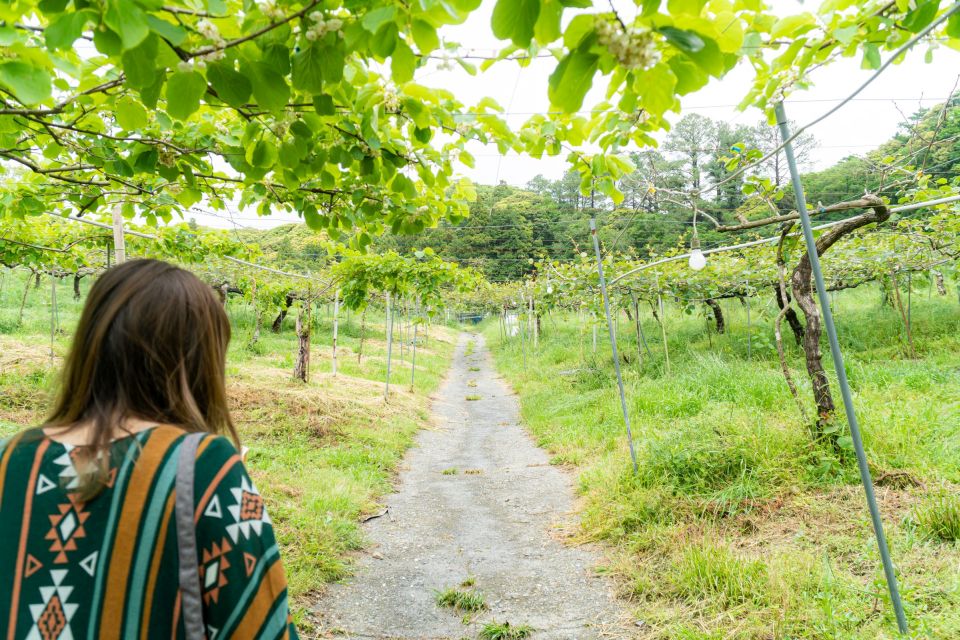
(685, 7)
(792, 26)
(64, 31)
(140, 64)
(308, 70)
(920, 17)
(184, 90)
(384, 40)
(231, 86)
(425, 36)
(649, 8)
(690, 77)
(871, 57)
(128, 21)
(578, 29)
(953, 26)
(845, 35)
(151, 94)
(52, 6)
(656, 88)
(323, 105)
(572, 78)
(515, 20)
(403, 63)
(373, 20)
(172, 33)
(313, 219)
(107, 42)
(262, 154)
(269, 88)
(31, 85)
(403, 185)
(130, 114)
(686, 41)
(547, 28)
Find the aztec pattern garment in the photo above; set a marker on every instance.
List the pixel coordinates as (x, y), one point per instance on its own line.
(108, 568)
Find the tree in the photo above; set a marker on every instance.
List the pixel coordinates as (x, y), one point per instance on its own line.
(693, 139)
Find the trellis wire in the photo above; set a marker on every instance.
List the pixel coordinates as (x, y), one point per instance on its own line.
(762, 241)
(839, 367)
(147, 236)
(613, 342)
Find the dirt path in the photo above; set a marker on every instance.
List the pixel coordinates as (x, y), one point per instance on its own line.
(498, 519)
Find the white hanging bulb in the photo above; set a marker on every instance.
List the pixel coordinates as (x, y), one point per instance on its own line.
(697, 260)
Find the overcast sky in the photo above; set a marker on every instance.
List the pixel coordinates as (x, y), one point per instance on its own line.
(522, 92)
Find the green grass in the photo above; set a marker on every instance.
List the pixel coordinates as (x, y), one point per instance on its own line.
(461, 600)
(938, 517)
(474, 398)
(737, 525)
(321, 453)
(505, 631)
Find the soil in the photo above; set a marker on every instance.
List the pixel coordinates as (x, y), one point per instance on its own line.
(476, 500)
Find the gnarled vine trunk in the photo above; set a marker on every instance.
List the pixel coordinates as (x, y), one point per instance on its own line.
(717, 314)
(301, 369)
(790, 316)
(802, 285)
(278, 321)
(941, 287)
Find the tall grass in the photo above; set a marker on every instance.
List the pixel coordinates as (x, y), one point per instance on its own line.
(734, 507)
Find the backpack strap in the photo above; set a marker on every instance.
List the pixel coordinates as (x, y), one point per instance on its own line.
(191, 604)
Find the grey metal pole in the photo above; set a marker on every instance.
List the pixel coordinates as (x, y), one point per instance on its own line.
(749, 331)
(523, 339)
(613, 341)
(386, 391)
(888, 568)
(336, 328)
(53, 313)
(413, 359)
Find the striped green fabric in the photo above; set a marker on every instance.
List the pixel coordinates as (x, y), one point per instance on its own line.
(107, 568)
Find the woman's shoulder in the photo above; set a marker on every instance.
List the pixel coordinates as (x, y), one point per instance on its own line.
(20, 445)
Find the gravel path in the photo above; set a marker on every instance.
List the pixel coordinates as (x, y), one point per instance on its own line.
(499, 519)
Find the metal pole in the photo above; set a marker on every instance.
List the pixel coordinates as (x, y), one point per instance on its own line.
(386, 392)
(413, 359)
(53, 313)
(636, 318)
(888, 568)
(119, 243)
(749, 331)
(663, 328)
(523, 338)
(613, 341)
(336, 327)
(910, 304)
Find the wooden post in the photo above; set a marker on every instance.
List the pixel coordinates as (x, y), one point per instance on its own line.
(119, 242)
(336, 327)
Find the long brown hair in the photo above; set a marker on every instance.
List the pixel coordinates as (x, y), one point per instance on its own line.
(151, 344)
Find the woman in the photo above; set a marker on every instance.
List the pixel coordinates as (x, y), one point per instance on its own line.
(88, 522)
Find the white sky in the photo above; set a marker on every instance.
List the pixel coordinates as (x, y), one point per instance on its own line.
(857, 128)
